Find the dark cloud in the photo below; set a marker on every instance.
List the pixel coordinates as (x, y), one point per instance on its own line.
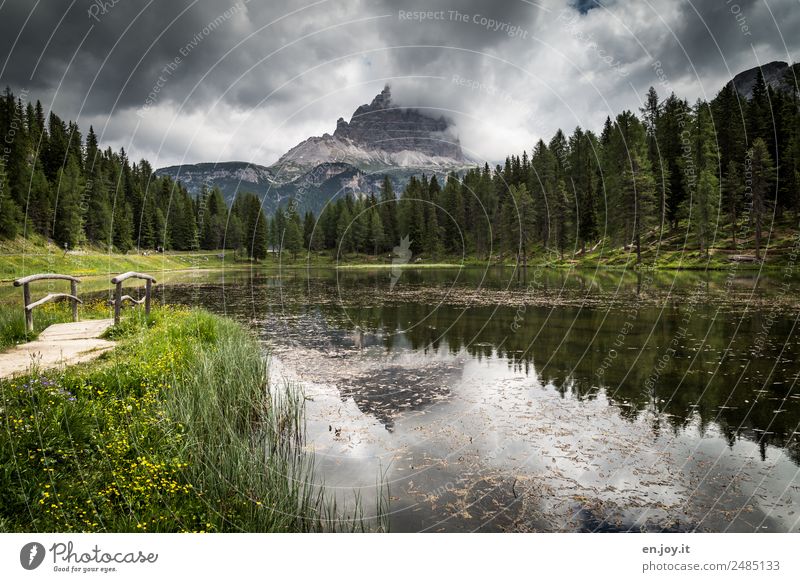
(254, 78)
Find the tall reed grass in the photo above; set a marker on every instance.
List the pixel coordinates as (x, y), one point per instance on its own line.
(176, 429)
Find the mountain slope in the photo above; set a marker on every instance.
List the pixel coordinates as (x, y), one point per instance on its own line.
(228, 176)
(774, 76)
(379, 136)
(380, 139)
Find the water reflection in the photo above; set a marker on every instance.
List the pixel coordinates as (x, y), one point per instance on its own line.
(651, 375)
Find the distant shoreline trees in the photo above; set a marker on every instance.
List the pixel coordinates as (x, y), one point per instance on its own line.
(709, 167)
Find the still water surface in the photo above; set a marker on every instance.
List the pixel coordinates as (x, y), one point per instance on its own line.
(492, 400)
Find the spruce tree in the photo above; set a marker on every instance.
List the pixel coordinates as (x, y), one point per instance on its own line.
(762, 175)
(68, 223)
(293, 236)
(630, 180)
(344, 235)
(733, 191)
(10, 213)
(308, 229)
(702, 184)
(377, 234)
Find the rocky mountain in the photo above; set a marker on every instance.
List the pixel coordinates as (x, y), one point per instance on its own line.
(774, 75)
(311, 190)
(380, 136)
(380, 139)
(227, 175)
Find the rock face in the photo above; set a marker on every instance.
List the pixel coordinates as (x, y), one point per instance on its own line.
(379, 136)
(311, 189)
(774, 75)
(226, 175)
(381, 125)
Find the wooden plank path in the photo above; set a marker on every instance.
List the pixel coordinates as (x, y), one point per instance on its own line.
(61, 344)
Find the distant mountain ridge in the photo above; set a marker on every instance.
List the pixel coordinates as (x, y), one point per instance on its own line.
(774, 76)
(222, 174)
(381, 138)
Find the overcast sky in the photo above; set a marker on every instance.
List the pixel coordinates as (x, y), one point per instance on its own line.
(185, 81)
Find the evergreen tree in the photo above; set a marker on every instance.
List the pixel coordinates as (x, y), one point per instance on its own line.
(38, 200)
(762, 172)
(377, 234)
(68, 224)
(675, 119)
(308, 229)
(701, 182)
(631, 180)
(523, 205)
(733, 191)
(388, 209)
(344, 235)
(293, 237)
(759, 113)
(10, 213)
(583, 177)
(213, 220)
(255, 234)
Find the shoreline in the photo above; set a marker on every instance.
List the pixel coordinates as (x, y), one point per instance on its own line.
(169, 432)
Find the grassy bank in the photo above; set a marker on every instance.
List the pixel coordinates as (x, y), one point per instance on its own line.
(670, 250)
(174, 430)
(21, 257)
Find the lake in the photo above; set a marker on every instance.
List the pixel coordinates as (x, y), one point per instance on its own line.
(546, 400)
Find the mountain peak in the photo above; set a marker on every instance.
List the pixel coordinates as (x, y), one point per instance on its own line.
(384, 126)
(383, 99)
(774, 74)
(380, 136)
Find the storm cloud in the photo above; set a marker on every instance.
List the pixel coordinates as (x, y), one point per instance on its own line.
(211, 80)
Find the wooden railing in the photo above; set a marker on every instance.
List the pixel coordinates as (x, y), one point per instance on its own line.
(119, 297)
(26, 295)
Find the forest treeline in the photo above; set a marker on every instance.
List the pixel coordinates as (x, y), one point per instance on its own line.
(713, 170)
(710, 171)
(57, 184)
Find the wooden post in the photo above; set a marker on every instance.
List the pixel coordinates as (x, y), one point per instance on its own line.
(147, 286)
(73, 290)
(26, 299)
(117, 302)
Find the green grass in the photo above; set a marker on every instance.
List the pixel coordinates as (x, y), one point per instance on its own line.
(174, 430)
(21, 257)
(674, 250)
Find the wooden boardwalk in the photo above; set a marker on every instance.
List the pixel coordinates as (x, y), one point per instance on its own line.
(59, 345)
